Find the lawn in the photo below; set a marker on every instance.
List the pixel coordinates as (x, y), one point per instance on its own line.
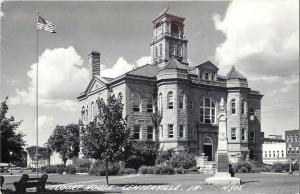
(155, 184)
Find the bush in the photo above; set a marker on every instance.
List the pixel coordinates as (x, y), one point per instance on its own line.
(127, 171)
(60, 169)
(82, 165)
(179, 170)
(191, 170)
(278, 167)
(163, 169)
(71, 169)
(99, 168)
(164, 157)
(183, 160)
(242, 167)
(147, 170)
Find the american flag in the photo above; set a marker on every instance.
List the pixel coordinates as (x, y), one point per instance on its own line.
(43, 24)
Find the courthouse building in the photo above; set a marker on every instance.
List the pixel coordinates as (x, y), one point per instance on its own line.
(188, 97)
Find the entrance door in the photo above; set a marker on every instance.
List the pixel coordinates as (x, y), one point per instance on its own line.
(208, 148)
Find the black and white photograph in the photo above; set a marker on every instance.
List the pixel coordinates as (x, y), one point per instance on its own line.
(153, 97)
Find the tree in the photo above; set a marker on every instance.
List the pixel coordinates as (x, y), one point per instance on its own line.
(65, 141)
(156, 117)
(11, 141)
(107, 138)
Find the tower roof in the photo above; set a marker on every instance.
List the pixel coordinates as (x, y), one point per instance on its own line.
(170, 12)
(173, 63)
(234, 74)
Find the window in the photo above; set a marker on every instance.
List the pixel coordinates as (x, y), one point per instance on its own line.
(181, 100)
(242, 134)
(293, 150)
(170, 100)
(92, 110)
(288, 138)
(282, 153)
(120, 96)
(136, 102)
(297, 150)
(192, 131)
(155, 52)
(233, 106)
(192, 106)
(266, 154)
(292, 138)
(233, 133)
(270, 155)
(296, 138)
(207, 111)
(252, 113)
(136, 132)
(83, 113)
(150, 104)
(277, 153)
(87, 113)
(170, 131)
(206, 75)
(252, 137)
(243, 107)
(160, 102)
(150, 133)
(274, 154)
(181, 131)
(160, 50)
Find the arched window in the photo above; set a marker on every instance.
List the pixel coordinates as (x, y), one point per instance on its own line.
(155, 52)
(160, 102)
(120, 96)
(191, 105)
(160, 50)
(243, 107)
(83, 113)
(136, 102)
(252, 113)
(87, 113)
(233, 108)
(150, 104)
(170, 100)
(92, 110)
(207, 111)
(180, 98)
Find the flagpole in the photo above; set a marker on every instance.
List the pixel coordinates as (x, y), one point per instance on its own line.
(37, 96)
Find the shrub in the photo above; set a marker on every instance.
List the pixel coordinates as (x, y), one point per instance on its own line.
(242, 167)
(191, 170)
(278, 167)
(183, 160)
(60, 169)
(126, 171)
(179, 170)
(163, 169)
(71, 169)
(163, 157)
(147, 170)
(99, 168)
(82, 165)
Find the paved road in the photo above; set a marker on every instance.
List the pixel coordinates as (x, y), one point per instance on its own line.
(165, 184)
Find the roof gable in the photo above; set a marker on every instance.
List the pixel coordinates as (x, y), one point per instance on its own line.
(95, 83)
(173, 63)
(208, 66)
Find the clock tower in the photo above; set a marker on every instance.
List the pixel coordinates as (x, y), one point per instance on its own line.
(168, 38)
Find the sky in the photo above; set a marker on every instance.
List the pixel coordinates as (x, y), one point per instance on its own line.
(260, 38)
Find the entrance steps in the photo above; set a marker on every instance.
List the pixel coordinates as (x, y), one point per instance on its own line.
(204, 166)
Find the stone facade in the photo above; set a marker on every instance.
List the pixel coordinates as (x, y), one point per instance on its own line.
(187, 96)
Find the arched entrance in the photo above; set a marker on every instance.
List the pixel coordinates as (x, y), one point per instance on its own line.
(208, 148)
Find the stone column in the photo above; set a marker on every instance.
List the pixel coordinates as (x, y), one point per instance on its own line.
(222, 177)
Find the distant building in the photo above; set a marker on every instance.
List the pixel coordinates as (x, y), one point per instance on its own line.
(274, 150)
(187, 96)
(43, 159)
(292, 139)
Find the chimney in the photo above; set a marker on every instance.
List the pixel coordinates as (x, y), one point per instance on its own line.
(94, 64)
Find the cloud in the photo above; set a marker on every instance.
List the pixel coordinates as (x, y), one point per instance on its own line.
(122, 66)
(45, 121)
(61, 79)
(262, 38)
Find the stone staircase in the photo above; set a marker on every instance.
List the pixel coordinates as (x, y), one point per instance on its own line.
(204, 166)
